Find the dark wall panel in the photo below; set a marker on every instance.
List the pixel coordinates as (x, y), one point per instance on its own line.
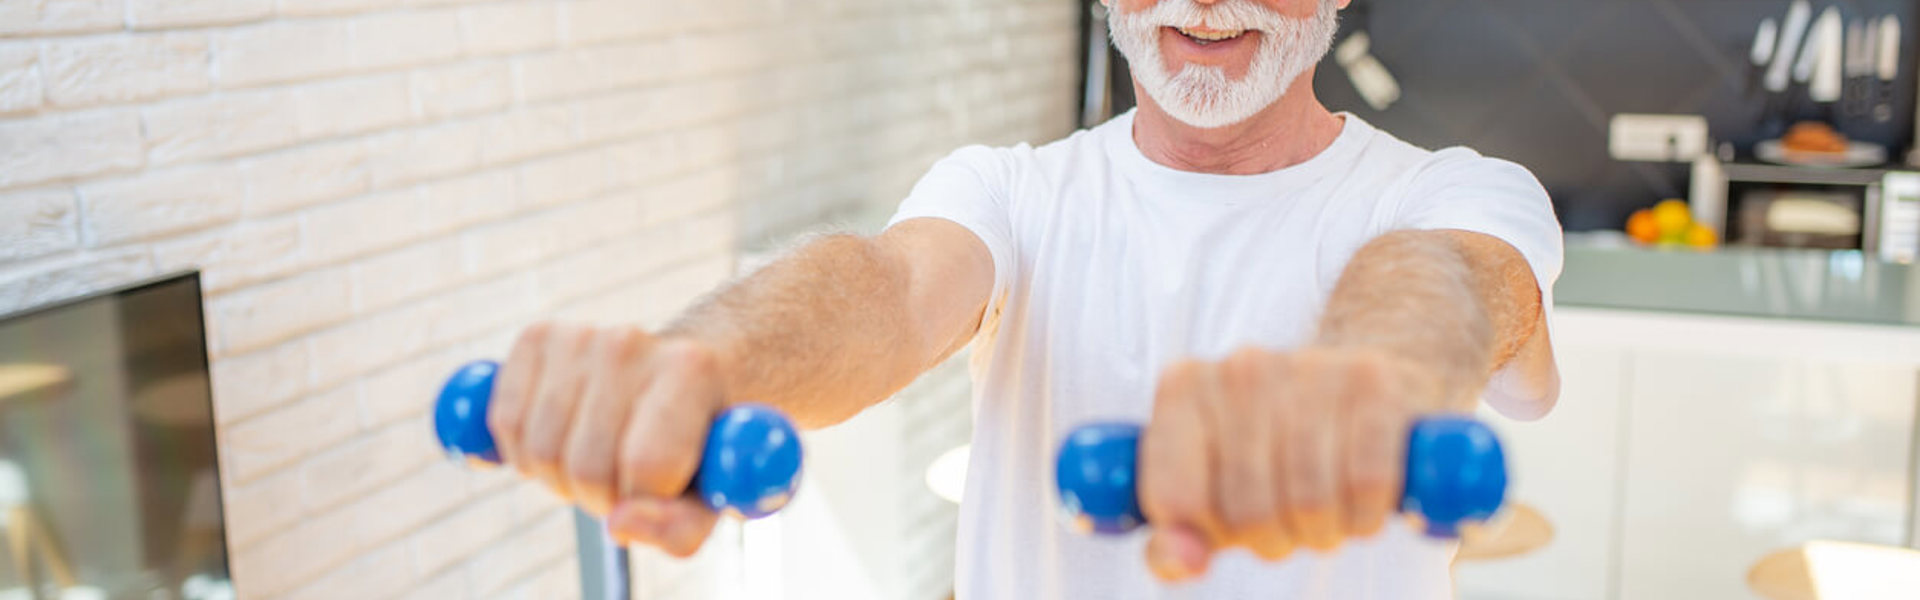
(1536, 81)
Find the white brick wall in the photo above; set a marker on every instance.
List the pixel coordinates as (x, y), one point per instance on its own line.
(124, 68)
(376, 191)
(60, 16)
(159, 14)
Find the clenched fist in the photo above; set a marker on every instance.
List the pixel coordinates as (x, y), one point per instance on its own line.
(1275, 451)
(613, 419)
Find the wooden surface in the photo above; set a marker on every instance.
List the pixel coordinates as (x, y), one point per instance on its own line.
(23, 380)
(24, 531)
(1519, 531)
(1782, 575)
(1837, 571)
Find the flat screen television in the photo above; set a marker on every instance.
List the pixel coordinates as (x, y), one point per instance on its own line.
(109, 478)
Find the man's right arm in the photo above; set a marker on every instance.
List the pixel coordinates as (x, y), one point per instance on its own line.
(613, 418)
(845, 321)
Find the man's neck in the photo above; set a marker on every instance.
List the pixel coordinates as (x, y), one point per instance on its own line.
(1295, 128)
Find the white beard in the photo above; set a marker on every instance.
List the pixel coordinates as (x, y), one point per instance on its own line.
(1203, 96)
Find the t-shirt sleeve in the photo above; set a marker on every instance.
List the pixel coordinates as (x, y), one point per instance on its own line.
(1459, 189)
(969, 187)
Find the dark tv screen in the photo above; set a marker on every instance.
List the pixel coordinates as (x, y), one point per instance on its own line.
(109, 479)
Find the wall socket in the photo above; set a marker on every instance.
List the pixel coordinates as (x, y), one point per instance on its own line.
(1657, 138)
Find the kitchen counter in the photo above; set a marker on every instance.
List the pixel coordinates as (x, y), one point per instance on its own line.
(1807, 285)
(1714, 408)
(1812, 285)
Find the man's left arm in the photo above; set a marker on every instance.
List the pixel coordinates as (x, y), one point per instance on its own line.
(1463, 304)
(1278, 450)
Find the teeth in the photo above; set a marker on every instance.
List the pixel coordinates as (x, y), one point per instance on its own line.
(1211, 35)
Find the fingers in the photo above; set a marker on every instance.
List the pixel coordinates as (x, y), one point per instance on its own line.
(1176, 468)
(1310, 453)
(1275, 451)
(562, 382)
(1249, 482)
(678, 525)
(615, 421)
(593, 441)
(513, 390)
(661, 444)
(1269, 451)
(659, 452)
(1375, 427)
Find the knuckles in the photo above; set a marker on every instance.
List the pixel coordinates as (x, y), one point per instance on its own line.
(619, 345)
(687, 358)
(1248, 364)
(1178, 382)
(535, 335)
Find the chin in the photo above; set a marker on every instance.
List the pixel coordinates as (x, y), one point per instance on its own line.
(1205, 98)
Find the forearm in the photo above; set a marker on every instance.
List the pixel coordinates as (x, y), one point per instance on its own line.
(1459, 303)
(822, 333)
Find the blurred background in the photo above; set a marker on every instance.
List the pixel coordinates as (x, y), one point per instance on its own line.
(365, 194)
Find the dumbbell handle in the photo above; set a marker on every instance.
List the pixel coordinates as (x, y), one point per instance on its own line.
(1456, 473)
(750, 465)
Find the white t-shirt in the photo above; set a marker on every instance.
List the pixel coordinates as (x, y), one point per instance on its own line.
(1109, 266)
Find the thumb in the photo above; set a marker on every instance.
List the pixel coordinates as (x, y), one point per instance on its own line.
(677, 526)
(1177, 553)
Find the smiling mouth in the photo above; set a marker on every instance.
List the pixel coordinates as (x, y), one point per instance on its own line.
(1204, 36)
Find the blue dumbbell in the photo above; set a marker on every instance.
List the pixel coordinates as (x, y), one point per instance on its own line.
(1456, 474)
(750, 466)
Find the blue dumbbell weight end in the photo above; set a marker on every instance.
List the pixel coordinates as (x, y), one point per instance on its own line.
(1456, 473)
(1095, 473)
(750, 465)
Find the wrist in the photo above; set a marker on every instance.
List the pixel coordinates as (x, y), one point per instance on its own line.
(1429, 382)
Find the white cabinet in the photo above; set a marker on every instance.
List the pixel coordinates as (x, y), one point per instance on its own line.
(1686, 447)
(1567, 466)
(1731, 457)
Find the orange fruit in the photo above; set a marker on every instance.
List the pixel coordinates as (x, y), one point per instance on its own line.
(1641, 228)
(1673, 217)
(1702, 237)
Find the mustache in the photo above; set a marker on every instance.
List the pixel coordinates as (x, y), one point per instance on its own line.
(1229, 15)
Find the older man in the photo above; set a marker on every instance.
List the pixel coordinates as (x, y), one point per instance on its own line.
(1275, 289)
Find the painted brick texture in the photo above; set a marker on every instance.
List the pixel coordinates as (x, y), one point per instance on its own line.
(377, 191)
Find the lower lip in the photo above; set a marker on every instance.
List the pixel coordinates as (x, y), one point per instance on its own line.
(1213, 50)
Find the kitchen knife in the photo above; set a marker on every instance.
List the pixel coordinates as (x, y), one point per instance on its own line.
(1888, 67)
(1763, 41)
(1791, 32)
(1825, 84)
(1812, 44)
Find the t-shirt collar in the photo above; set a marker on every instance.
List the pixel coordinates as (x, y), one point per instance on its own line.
(1162, 180)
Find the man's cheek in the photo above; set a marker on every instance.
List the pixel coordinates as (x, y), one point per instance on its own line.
(1303, 9)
